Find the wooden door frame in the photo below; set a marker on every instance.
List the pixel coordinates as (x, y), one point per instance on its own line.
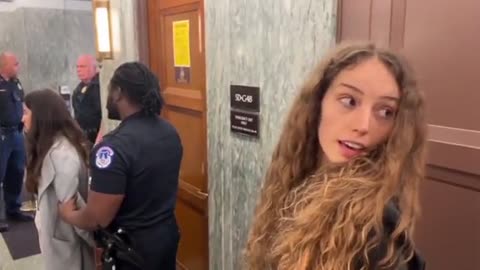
(141, 22)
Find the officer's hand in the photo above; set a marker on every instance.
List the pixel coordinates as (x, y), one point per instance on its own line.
(67, 208)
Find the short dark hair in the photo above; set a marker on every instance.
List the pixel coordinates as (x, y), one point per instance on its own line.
(140, 86)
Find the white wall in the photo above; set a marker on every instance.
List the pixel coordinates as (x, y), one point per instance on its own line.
(50, 4)
(124, 39)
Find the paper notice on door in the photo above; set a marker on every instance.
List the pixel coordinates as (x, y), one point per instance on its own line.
(181, 43)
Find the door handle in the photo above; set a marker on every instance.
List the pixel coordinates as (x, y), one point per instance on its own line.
(201, 194)
(193, 190)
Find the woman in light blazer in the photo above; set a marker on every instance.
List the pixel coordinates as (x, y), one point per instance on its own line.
(56, 171)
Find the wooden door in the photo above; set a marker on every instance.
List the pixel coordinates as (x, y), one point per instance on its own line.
(177, 56)
(439, 38)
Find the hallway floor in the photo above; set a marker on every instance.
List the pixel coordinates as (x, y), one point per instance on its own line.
(7, 262)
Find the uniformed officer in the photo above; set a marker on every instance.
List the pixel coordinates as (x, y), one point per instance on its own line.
(134, 172)
(12, 148)
(86, 97)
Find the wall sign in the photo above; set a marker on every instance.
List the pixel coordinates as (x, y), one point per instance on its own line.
(244, 111)
(244, 122)
(245, 98)
(181, 50)
(182, 75)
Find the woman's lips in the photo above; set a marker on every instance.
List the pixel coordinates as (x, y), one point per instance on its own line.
(350, 149)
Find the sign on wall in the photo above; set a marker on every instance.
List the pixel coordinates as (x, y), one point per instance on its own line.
(245, 109)
(245, 98)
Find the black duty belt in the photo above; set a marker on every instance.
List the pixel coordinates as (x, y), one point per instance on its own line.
(116, 246)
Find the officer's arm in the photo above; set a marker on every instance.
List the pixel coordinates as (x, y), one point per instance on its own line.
(100, 210)
(107, 189)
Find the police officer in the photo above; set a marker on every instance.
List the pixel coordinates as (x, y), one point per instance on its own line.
(12, 148)
(134, 172)
(86, 97)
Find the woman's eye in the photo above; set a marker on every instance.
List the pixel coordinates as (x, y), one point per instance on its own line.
(386, 113)
(348, 102)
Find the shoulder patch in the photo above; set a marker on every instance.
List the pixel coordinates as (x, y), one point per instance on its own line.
(104, 157)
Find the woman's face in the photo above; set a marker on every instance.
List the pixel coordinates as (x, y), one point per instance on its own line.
(27, 118)
(358, 111)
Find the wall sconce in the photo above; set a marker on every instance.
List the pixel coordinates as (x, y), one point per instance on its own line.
(103, 29)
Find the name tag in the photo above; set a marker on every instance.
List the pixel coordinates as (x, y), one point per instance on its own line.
(3, 90)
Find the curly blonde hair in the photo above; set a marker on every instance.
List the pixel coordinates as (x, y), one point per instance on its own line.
(332, 217)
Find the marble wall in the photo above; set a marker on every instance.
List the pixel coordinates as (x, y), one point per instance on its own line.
(125, 48)
(47, 42)
(271, 44)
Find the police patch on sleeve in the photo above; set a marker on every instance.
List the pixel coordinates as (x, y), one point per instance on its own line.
(104, 157)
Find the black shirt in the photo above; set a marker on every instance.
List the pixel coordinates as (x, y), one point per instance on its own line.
(86, 105)
(11, 102)
(140, 159)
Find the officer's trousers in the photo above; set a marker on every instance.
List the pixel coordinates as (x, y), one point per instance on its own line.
(12, 167)
(157, 246)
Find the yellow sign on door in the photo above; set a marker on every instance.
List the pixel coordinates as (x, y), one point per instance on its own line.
(181, 43)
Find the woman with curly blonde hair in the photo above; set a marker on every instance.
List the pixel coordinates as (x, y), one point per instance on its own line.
(341, 191)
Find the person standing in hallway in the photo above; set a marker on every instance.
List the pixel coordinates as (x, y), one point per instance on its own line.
(134, 172)
(342, 188)
(12, 148)
(86, 97)
(57, 170)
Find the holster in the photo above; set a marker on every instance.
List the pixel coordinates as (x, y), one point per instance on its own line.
(115, 247)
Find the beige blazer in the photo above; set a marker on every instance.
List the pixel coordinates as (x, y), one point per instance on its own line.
(62, 245)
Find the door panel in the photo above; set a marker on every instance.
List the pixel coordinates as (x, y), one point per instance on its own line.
(190, 257)
(188, 123)
(454, 45)
(448, 230)
(439, 39)
(177, 56)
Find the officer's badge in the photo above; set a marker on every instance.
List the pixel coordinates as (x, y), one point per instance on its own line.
(19, 86)
(84, 89)
(104, 157)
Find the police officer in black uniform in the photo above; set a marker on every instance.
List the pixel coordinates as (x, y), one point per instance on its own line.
(86, 97)
(12, 148)
(134, 173)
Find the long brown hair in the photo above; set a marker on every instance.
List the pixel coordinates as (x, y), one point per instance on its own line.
(50, 119)
(330, 218)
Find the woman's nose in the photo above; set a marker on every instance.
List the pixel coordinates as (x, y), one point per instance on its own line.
(361, 123)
